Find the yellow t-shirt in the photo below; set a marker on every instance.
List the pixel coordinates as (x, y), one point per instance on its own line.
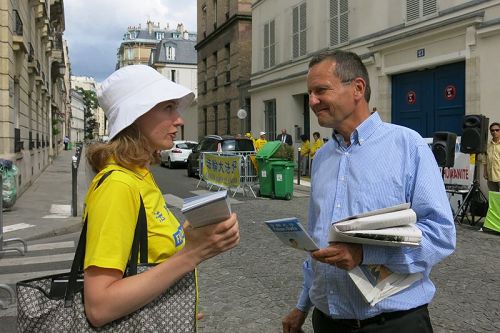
(316, 145)
(493, 161)
(112, 211)
(305, 148)
(259, 143)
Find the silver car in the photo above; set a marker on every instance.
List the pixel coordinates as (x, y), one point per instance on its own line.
(178, 154)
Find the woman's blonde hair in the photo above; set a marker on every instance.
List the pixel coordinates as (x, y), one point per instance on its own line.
(129, 149)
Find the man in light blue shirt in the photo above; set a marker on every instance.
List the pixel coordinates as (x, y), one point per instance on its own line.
(368, 165)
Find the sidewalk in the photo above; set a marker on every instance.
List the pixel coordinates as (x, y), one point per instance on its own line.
(46, 205)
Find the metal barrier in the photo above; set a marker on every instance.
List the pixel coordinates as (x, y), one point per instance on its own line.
(248, 172)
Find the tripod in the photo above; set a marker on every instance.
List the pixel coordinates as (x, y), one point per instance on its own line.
(473, 195)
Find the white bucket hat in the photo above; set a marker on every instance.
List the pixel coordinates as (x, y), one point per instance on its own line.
(133, 90)
(262, 133)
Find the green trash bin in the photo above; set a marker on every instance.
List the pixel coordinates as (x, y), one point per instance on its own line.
(70, 145)
(264, 160)
(283, 178)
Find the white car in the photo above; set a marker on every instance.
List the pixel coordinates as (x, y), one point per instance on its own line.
(178, 154)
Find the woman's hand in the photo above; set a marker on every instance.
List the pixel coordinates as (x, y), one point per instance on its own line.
(211, 240)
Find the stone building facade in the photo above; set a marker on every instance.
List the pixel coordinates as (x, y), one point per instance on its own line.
(224, 64)
(171, 52)
(430, 61)
(34, 85)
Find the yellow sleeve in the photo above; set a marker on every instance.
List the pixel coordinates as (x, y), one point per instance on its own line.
(112, 216)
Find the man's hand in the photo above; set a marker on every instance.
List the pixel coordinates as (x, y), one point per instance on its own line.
(293, 322)
(343, 255)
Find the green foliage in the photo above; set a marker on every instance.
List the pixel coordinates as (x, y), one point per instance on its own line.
(285, 152)
(91, 104)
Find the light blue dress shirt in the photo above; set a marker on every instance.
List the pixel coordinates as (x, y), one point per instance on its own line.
(384, 165)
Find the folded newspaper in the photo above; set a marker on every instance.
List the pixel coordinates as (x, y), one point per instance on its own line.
(392, 226)
(376, 282)
(207, 208)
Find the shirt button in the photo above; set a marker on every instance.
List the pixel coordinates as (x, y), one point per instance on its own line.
(338, 205)
(331, 292)
(342, 178)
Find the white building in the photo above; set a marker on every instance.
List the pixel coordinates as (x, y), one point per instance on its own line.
(430, 61)
(77, 117)
(88, 83)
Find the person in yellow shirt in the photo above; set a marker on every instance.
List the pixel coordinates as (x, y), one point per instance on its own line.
(492, 162)
(261, 141)
(305, 150)
(140, 125)
(318, 143)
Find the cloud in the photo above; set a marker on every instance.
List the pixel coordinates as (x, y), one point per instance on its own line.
(95, 28)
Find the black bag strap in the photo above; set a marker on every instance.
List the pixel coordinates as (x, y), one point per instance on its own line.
(140, 242)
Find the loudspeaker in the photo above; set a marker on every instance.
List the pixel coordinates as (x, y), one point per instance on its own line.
(475, 134)
(443, 148)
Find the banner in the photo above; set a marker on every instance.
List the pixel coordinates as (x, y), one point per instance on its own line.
(220, 170)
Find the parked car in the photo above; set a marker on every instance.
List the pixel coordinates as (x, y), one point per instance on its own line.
(178, 154)
(215, 143)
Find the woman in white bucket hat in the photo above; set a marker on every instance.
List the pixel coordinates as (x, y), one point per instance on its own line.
(143, 110)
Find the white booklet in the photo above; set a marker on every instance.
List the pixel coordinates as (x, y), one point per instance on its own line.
(392, 226)
(376, 282)
(292, 233)
(207, 208)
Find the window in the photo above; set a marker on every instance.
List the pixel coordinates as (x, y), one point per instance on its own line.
(215, 14)
(270, 118)
(216, 73)
(204, 71)
(170, 51)
(228, 118)
(160, 35)
(299, 26)
(216, 120)
(416, 9)
(173, 76)
(339, 22)
(269, 44)
(228, 63)
(130, 54)
(205, 125)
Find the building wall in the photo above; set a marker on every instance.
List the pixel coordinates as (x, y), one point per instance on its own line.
(77, 117)
(88, 83)
(380, 33)
(33, 91)
(224, 65)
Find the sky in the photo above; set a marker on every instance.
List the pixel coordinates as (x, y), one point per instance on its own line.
(95, 28)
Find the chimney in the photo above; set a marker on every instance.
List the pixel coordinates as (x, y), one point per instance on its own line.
(150, 26)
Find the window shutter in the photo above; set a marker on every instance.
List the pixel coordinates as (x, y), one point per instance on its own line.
(429, 7)
(303, 31)
(412, 10)
(344, 21)
(266, 45)
(334, 22)
(295, 32)
(272, 42)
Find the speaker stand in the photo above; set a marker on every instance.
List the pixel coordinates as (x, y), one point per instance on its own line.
(473, 193)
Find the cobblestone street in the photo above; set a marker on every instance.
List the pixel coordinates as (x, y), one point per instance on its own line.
(252, 287)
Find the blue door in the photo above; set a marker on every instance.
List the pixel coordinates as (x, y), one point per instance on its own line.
(430, 101)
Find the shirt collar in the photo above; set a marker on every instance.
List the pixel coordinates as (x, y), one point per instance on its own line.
(362, 132)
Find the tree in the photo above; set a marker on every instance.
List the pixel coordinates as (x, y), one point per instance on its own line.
(90, 103)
